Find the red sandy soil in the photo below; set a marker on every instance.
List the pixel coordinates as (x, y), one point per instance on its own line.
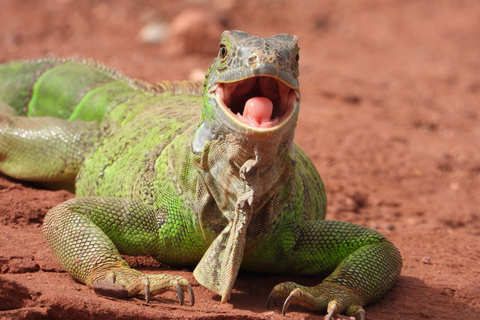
(390, 117)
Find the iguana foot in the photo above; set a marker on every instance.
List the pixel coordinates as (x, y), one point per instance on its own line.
(334, 298)
(149, 285)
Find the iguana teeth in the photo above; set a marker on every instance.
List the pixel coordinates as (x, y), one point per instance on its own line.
(250, 200)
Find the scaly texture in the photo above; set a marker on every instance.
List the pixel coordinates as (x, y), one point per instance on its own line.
(222, 187)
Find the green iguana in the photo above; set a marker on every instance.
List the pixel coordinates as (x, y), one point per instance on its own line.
(222, 187)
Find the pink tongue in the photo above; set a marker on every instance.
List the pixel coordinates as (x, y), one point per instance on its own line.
(258, 109)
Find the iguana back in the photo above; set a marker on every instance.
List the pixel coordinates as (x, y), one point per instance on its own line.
(79, 90)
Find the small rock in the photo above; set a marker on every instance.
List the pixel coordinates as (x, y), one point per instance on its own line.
(18, 265)
(154, 32)
(427, 260)
(454, 186)
(194, 31)
(374, 226)
(4, 268)
(389, 226)
(197, 74)
(223, 5)
(106, 288)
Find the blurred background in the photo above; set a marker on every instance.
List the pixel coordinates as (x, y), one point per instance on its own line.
(389, 116)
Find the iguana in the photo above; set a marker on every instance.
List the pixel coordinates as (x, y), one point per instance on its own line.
(213, 180)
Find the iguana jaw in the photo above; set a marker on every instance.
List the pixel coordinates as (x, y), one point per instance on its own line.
(259, 103)
(236, 118)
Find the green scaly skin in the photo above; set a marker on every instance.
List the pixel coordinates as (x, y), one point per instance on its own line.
(155, 175)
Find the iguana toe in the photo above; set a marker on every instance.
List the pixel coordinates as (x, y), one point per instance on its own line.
(191, 295)
(272, 297)
(301, 297)
(161, 283)
(124, 283)
(334, 299)
(181, 295)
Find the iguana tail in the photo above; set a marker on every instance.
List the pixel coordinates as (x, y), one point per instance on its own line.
(52, 92)
(64, 88)
(39, 101)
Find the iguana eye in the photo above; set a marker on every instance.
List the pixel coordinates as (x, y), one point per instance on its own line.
(223, 51)
(297, 57)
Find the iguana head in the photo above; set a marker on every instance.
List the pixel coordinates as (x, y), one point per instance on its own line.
(245, 148)
(251, 89)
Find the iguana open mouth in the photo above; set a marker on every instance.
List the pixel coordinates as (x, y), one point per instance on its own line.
(260, 102)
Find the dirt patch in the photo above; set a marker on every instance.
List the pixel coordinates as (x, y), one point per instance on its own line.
(389, 116)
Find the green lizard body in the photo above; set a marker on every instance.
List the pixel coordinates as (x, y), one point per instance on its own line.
(222, 187)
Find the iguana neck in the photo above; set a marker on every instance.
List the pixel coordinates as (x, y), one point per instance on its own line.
(233, 170)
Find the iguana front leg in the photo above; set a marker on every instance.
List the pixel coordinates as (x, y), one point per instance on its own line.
(88, 234)
(362, 266)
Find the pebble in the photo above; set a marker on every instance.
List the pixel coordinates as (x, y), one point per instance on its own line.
(19, 265)
(197, 74)
(194, 31)
(109, 289)
(155, 32)
(427, 260)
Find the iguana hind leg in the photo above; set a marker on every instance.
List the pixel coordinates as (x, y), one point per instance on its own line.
(362, 266)
(46, 150)
(88, 234)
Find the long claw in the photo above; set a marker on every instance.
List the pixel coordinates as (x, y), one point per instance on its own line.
(357, 311)
(112, 278)
(362, 315)
(329, 315)
(180, 294)
(332, 309)
(271, 297)
(191, 295)
(287, 303)
(147, 290)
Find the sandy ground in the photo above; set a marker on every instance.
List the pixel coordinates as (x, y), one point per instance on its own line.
(390, 117)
